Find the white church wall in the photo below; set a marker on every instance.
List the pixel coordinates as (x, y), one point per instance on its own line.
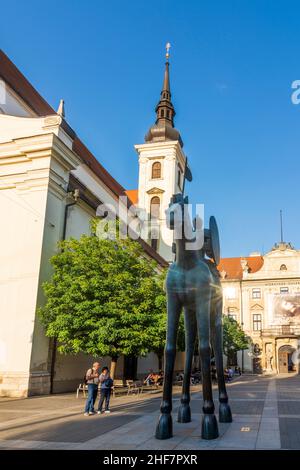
(11, 104)
(23, 195)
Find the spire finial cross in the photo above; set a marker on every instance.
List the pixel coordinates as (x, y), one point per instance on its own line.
(168, 45)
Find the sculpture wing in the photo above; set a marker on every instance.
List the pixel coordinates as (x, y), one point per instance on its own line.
(214, 239)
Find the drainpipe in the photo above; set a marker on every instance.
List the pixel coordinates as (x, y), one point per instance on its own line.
(75, 195)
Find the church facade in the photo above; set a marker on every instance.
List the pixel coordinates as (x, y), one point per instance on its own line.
(50, 188)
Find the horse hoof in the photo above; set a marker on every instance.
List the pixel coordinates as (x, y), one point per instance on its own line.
(164, 428)
(225, 413)
(184, 413)
(209, 427)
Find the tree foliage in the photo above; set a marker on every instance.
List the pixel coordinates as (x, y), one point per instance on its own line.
(234, 338)
(99, 300)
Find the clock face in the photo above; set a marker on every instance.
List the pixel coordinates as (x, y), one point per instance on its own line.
(214, 239)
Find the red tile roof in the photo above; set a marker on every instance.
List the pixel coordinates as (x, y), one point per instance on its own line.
(133, 195)
(233, 267)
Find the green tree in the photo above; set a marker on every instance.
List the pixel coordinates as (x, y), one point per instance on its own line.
(234, 338)
(98, 296)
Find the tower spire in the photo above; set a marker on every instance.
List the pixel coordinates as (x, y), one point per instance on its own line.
(165, 112)
(166, 83)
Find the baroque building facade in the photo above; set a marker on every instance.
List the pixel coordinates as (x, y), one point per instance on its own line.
(262, 293)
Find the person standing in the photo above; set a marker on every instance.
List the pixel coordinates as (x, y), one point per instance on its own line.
(106, 383)
(92, 380)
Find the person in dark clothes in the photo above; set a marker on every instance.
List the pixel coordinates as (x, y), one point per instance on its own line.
(106, 384)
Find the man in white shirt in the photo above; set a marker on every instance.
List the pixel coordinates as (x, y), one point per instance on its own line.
(92, 380)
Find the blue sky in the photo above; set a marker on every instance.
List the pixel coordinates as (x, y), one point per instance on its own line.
(232, 65)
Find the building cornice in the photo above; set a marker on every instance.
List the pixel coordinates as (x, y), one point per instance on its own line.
(277, 280)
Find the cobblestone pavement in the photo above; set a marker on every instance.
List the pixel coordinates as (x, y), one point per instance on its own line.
(266, 415)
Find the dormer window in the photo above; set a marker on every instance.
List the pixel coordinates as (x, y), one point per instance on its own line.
(283, 267)
(156, 170)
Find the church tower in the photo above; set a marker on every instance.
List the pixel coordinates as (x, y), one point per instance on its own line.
(161, 169)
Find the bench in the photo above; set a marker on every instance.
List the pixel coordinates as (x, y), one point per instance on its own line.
(134, 386)
(149, 388)
(81, 388)
(119, 387)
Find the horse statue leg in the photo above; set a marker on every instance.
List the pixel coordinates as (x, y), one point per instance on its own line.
(217, 341)
(190, 325)
(209, 422)
(164, 429)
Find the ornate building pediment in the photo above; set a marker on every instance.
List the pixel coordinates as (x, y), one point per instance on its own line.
(257, 307)
(155, 191)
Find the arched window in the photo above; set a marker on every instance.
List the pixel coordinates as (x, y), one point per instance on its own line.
(162, 113)
(156, 170)
(283, 267)
(154, 207)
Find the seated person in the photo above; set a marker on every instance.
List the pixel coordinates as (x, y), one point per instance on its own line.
(159, 378)
(149, 380)
(155, 378)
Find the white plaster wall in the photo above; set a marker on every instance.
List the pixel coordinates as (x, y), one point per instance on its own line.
(11, 104)
(77, 224)
(78, 221)
(52, 234)
(20, 253)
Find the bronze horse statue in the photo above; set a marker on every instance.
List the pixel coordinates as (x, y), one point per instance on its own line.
(193, 284)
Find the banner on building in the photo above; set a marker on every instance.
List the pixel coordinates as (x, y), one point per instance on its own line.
(285, 308)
